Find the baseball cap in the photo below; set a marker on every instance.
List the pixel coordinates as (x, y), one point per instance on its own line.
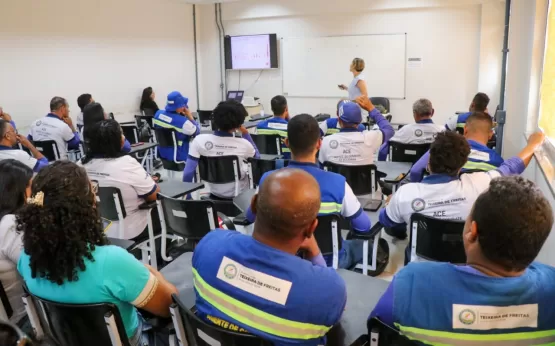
(176, 101)
(350, 112)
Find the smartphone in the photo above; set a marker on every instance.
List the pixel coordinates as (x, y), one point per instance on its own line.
(137, 144)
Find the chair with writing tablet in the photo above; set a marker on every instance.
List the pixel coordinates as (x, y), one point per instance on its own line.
(435, 239)
(191, 330)
(401, 152)
(167, 138)
(267, 144)
(49, 149)
(382, 101)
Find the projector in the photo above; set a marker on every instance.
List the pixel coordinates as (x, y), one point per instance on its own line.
(249, 101)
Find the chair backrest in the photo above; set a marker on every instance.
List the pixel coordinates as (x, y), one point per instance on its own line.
(327, 233)
(380, 334)
(107, 205)
(149, 113)
(204, 117)
(83, 324)
(362, 179)
(165, 137)
(219, 169)
(383, 101)
(6, 306)
(49, 149)
(201, 333)
(189, 219)
(146, 118)
(401, 152)
(437, 240)
(259, 167)
(131, 133)
(267, 144)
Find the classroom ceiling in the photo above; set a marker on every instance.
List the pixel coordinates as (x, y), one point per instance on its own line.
(206, 2)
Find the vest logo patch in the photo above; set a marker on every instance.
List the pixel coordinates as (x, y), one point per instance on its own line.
(483, 317)
(418, 133)
(209, 145)
(418, 204)
(165, 118)
(254, 282)
(334, 144)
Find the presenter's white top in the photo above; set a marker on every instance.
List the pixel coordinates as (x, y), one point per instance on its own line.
(351, 147)
(224, 144)
(52, 128)
(126, 174)
(354, 90)
(417, 133)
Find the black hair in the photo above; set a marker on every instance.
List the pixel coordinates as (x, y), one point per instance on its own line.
(481, 102)
(3, 128)
(513, 219)
(448, 153)
(480, 117)
(92, 114)
(56, 103)
(14, 179)
(84, 100)
(103, 140)
(303, 133)
(279, 104)
(63, 231)
(145, 98)
(229, 115)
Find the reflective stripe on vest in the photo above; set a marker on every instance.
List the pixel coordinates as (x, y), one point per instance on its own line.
(179, 143)
(433, 337)
(166, 125)
(282, 133)
(255, 318)
(483, 166)
(330, 208)
(461, 125)
(332, 131)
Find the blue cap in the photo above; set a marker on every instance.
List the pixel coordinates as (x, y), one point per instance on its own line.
(176, 101)
(350, 112)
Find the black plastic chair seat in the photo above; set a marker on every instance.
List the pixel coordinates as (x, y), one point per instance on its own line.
(401, 152)
(438, 240)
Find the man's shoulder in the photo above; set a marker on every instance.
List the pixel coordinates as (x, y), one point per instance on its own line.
(422, 270)
(218, 235)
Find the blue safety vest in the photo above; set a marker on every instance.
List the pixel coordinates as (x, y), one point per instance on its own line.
(442, 304)
(161, 120)
(279, 128)
(482, 158)
(333, 126)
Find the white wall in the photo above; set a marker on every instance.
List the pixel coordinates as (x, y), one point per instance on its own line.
(460, 42)
(111, 49)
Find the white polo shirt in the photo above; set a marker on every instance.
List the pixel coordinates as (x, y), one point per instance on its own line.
(417, 133)
(126, 174)
(351, 147)
(19, 155)
(224, 144)
(11, 246)
(52, 128)
(439, 196)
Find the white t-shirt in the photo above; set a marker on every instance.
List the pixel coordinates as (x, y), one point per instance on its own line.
(451, 200)
(126, 174)
(52, 128)
(417, 133)
(354, 90)
(19, 155)
(80, 119)
(11, 246)
(211, 145)
(352, 148)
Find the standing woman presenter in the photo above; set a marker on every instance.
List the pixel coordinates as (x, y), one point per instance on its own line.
(358, 85)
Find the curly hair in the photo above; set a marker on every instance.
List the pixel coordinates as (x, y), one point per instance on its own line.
(448, 153)
(514, 219)
(62, 232)
(229, 115)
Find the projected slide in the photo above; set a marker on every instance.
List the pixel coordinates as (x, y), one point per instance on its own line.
(250, 52)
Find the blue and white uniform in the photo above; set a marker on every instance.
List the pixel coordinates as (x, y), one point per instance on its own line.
(481, 158)
(183, 127)
(21, 156)
(421, 132)
(245, 286)
(275, 126)
(331, 126)
(337, 197)
(350, 146)
(446, 304)
(221, 144)
(52, 128)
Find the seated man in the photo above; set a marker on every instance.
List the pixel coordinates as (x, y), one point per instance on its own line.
(82, 101)
(477, 131)
(350, 146)
(8, 148)
(278, 124)
(303, 138)
(257, 284)
(423, 130)
(500, 296)
(479, 104)
(229, 117)
(444, 193)
(331, 125)
(177, 117)
(56, 126)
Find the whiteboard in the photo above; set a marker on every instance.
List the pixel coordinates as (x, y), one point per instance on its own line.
(314, 66)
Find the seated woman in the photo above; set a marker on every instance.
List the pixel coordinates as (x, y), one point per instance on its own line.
(68, 259)
(15, 188)
(92, 114)
(148, 105)
(109, 166)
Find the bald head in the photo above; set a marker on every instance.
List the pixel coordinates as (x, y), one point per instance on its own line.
(479, 124)
(287, 204)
